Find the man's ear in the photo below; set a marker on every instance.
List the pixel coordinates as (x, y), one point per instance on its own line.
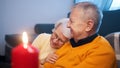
(90, 24)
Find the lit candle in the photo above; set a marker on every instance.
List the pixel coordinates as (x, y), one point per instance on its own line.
(25, 55)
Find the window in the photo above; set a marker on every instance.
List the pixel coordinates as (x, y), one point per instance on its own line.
(102, 4)
(105, 5)
(115, 5)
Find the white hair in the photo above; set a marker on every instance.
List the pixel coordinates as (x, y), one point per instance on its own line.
(65, 31)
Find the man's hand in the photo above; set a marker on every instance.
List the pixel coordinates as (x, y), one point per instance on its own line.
(51, 58)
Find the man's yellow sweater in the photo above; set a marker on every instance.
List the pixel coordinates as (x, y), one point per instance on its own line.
(96, 54)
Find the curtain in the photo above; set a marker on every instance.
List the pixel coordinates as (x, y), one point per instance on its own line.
(102, 4)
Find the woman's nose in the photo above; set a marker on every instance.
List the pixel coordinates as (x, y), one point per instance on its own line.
(55, 40)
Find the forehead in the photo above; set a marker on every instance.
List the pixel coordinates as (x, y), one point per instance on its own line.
(76, 14)
(58, 29)
(58, 32)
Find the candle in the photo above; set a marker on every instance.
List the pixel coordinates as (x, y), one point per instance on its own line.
(25, 55)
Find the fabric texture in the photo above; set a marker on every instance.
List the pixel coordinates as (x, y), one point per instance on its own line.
(114, 39)
(96, 54)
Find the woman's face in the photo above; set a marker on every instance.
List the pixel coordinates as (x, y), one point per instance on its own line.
(57, 38)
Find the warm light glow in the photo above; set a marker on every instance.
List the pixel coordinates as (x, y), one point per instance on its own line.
(25, 39)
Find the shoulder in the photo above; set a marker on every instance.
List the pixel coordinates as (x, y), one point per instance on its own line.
(102, 45)
(64, 49)
(44, 35)
(41, 39)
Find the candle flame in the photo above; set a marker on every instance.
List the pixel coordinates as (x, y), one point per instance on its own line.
(25, 39)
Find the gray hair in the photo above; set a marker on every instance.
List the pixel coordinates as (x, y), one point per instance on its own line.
(91, 11)
(65, 31)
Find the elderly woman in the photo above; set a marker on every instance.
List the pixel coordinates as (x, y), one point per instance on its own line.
(49, 43)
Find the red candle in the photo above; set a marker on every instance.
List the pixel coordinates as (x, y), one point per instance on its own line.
(25, 55)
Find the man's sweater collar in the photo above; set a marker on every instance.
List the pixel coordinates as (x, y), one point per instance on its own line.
(83, 41)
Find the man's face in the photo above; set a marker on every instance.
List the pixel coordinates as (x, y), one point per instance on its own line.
(57, 38)
(77, 24)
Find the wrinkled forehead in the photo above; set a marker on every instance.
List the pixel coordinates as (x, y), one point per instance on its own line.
(56, 27)
(58, 30)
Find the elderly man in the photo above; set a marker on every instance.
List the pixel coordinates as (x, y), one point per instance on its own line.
(87, 49)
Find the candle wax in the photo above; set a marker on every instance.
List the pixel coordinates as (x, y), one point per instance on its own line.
(25, 57)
